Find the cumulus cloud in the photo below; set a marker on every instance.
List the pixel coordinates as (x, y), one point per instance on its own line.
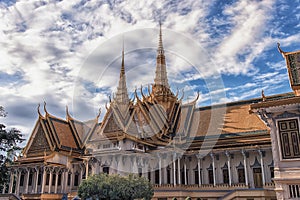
(69, 52)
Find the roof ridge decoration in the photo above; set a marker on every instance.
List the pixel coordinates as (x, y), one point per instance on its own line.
(264, 98)
(45, 109)
(99, 113)
(279, 49)
(39, 112)
(68, 116)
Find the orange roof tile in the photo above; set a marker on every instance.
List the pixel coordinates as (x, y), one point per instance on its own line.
(236, 119)
(64, 133)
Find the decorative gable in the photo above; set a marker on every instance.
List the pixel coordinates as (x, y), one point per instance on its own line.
(111, 125)
(39, 144)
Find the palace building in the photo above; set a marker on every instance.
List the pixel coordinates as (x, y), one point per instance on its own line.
(240, 150)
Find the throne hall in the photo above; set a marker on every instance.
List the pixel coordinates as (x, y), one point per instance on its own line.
(249, 151)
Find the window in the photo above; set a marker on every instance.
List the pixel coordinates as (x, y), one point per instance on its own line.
(182, 177)
(140, 172)
(289, 138)
(183, 181)
(272, 172)
(76, 179)
(210, 176)
(257, 177)
(30, 179)
(53, 179)
(168, 175)
(241, 175)
(157, 176)
(106, 170)
(196, 176)
(149, 175)
(69, 179)
(47, 179)
(22, 179)
(225, 176)
(59, 179)
(39, 178)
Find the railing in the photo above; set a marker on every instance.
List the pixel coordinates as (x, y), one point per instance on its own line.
(202, 186)
(270, 185)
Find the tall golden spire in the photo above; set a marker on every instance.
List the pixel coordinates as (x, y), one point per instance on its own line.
(160, 49)
(161, 72)
(122, 72)
(122, 94)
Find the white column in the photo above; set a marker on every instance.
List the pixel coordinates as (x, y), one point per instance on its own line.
(213, 165)
(174, 169)
(81, 173)
(159, 166)
(178, 172)
(63, 182)
(72, 179)
(185, 172)
(117, 164)
(86, 169)
(199, 170)
(50, 181)
(36, 180)
(229, 167)
(262, 167)
(56, 181)
(44, 180)
(17, 191)
(27, 181)
(164, 169)
(245, 167)
(11, 182)
(3, 189)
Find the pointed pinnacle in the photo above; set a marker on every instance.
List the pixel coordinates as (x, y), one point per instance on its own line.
(160, 43)
(122, 73)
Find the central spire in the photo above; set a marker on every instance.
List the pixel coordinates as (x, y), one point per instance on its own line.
(161, 78)
(122, 95)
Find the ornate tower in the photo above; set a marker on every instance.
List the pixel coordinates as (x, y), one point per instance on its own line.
(161, 90)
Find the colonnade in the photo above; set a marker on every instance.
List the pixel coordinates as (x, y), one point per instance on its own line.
(46, 179)
(161, 168)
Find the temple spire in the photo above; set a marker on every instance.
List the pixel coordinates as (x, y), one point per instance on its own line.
(122, 94)
(161, 72)
(160, 49)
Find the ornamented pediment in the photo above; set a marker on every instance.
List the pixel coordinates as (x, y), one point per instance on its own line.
(39, 143)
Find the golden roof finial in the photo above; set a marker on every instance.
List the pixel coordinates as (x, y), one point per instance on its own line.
(45, 109)
(144, 97)
(279, 49)
(99, 112)
(182, 95)
(39, 112)
(68, 116)
(263, 95)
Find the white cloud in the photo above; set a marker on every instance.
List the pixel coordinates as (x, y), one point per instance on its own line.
(54, 46)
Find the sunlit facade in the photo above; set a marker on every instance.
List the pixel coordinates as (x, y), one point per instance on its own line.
(238, 150)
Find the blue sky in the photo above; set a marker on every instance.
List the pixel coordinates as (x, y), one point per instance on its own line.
(68, 52)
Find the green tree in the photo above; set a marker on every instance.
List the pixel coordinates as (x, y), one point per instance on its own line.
(115, 187)
(9, 141)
